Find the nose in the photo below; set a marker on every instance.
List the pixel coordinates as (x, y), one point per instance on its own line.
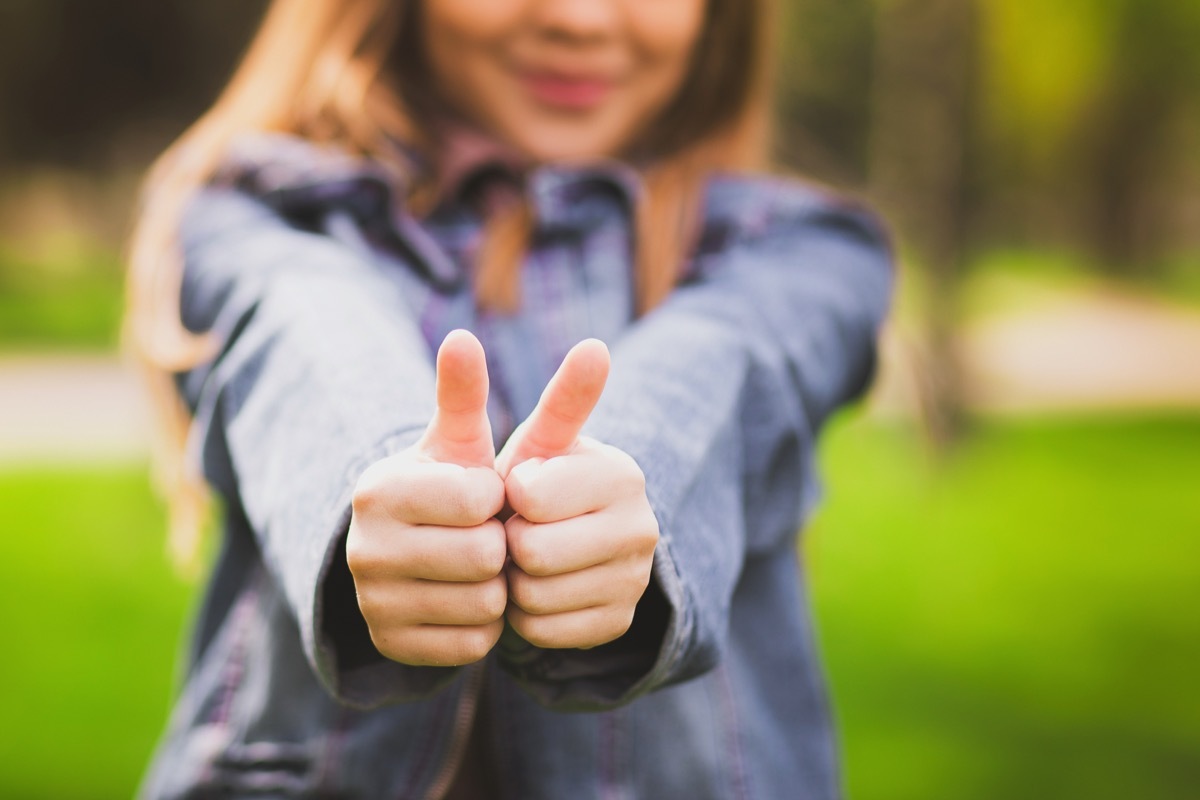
(578, 19)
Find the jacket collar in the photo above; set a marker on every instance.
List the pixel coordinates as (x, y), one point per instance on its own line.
(560, 195)
(295, 172)
(307, 181)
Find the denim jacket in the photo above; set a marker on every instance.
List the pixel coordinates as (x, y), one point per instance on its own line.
(329, 299)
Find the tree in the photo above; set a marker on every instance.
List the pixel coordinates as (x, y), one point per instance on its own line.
(920, 165)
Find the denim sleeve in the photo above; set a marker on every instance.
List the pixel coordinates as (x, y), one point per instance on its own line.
(321, 370)
(718, 394)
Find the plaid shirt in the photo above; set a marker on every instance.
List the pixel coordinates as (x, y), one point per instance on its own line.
(330, 300)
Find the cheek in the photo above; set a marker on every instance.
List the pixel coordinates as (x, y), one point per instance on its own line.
(461, 35)
(470, 21)
(666, 31)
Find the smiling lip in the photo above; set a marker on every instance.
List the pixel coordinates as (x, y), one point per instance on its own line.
(566, 92)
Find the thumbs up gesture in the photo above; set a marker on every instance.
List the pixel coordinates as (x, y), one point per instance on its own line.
(428, 554)
(425, 549)
(582, 535)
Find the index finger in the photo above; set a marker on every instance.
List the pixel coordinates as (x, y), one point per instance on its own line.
(429, 493)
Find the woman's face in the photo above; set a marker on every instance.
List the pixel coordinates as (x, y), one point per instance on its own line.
(560, 79)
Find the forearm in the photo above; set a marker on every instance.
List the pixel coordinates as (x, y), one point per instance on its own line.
(320, 373)
(718, 396)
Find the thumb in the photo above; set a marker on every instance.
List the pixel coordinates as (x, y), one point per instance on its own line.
(460, 432)
(554, 425)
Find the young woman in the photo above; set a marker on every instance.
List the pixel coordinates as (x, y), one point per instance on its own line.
(608, 607)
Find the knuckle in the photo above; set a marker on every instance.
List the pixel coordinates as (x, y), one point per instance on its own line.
(631, 583)
(536, 509)
(618, 625)
(517, 533)
(375, 557)
(633, 480)
(383, 488)
(394, 645)
(370, 495)
(629, 475)
(642, 533)
(614, 624)
(538, 631)
(647, 534)
(481, 498)
(530, 555)
(642, 579)
(370, 609)
(473, 645)
(522, 492)
(359, 556)
(491, 599)
(484, 552)
(527, 594)
(362, 557)
(516, 528)
(550, 632)
(515, 487)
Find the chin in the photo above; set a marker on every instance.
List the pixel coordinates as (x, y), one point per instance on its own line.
(566, 143)
(567, 151)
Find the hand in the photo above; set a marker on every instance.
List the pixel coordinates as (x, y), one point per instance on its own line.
(582, 535)
(424, 547)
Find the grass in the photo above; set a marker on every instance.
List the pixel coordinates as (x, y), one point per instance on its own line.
(92, 617)
(1018, 621)
(70, 301)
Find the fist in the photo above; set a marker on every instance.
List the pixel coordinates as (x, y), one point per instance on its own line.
(425, 549)
(581, 542)
(582, 536)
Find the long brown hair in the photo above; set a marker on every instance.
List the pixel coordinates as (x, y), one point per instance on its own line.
(349, 73)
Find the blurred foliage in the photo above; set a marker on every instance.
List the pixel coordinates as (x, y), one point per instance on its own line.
(1180, 278)
(1020, 623)
(1010, 126)
(1081, 130)
(61, 301)
(86, 83)
(824, 93)
(1083, 126)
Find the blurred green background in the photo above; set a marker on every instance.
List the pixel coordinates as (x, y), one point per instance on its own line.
(1006, 569)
